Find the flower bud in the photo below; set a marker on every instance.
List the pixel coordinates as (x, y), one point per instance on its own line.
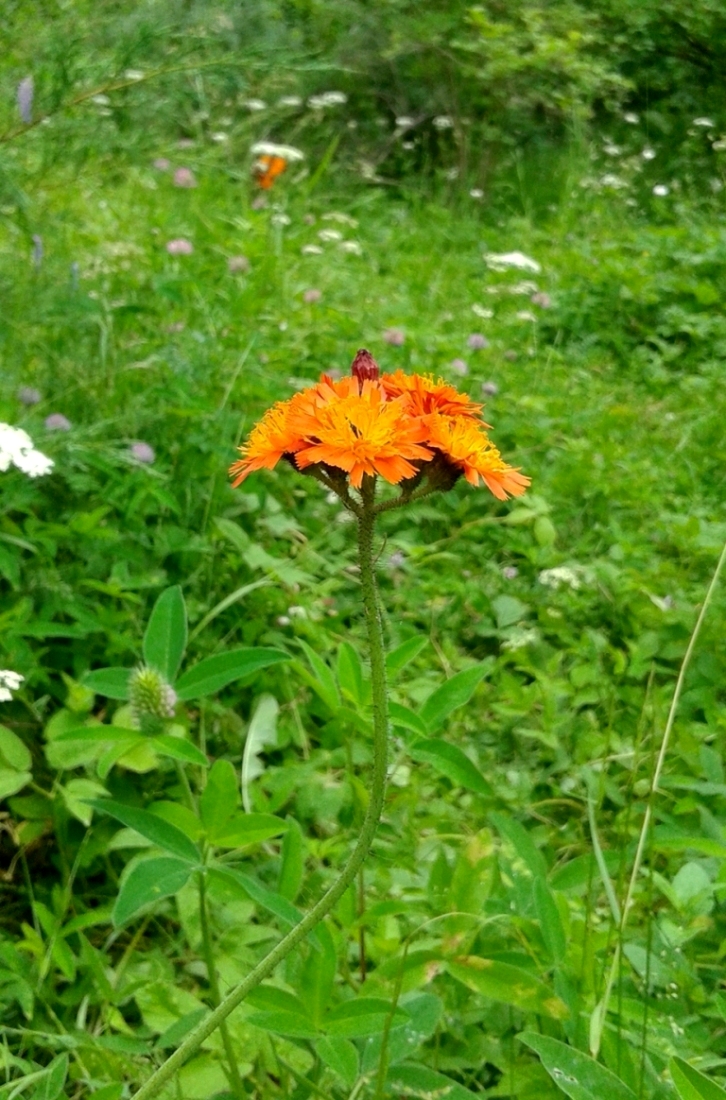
(364, 366)
(152, 699)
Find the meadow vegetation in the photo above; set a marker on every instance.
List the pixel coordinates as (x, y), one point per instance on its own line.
(156, 301)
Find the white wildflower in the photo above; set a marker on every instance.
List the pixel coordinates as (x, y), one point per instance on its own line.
(707, 123)
(280, 219)
(351, 247)
(311, 250)
(330, 235)
(525, 287)
(661, 190)
(500, 261)
(273, 149)
(520, 637)
(327, 99)
(482, 311)
(9, 682)
(719, 145)
(715, 184)
(290, 101)
(342, 219)
(648, 153)
(476, 193)
(451, 174)
(443, 122)
(101, 100)
(559, 575)
(405, 122)
(16, 449)
(612, 150)
(134, 74)
(220, 137)
(526, 315)
(255, 104)
(631, 117)
(297, 612)
(614, 182)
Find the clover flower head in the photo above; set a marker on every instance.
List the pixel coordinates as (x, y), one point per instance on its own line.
(152, 699)
(143, 452)
(57, 422)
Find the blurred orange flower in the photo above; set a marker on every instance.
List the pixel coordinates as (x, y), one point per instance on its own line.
(390, 426)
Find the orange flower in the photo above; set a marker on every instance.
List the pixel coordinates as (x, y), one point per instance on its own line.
(268, 442)
(465, 444)
(427, 396)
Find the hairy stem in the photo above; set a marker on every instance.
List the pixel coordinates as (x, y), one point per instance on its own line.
(193, 1041)
(208, 948)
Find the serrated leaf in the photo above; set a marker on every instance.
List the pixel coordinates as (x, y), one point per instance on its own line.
(691, 1084)
(454, 693)
(511, 985)
(578, 1075)
(154, 828)
(111, 682)
(149, 881)
(214, 673)
(450, 761)
(166, 633)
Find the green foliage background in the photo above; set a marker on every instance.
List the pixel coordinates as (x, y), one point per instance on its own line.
(608, 392)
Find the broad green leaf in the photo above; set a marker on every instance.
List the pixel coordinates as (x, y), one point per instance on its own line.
(149, 881)
(242, 829)
(284, 910)
(111, 682)
(114, 1091)
(550, 921)
(452, 694)
(416, 1080)
(154, 828)
(98, 734)
(261, 734)
(13, 752)
(579, 872)
(508, 610)
(350, 674)
(78, 795)
(179, 749)
(399, 657)
(578, 1075)
(510, 829)
(361, 1017)
(691, 1084)
(509, 984)
(317, 976)
(425, 1013)
(406, 719)
(323, 682)
(214, 673)
(11, 781)
(172, 1037)
(166, 634)
(292, 861)
(220, 797)
(450, 761)
(285, 1023)
(341, 1056)
(53, 1080)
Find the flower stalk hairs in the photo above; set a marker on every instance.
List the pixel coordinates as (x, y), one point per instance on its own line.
(411, 432)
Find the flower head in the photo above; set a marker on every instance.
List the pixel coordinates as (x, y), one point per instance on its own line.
(184, 177)
(16, 449)
(395, 426)
(57, 422)
(9, 682)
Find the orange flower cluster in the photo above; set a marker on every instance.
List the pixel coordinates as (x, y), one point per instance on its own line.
(391, 426)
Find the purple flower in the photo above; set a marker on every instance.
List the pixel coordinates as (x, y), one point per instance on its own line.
(510, 572)
(27, 395)
(179, 247)
(491, 389)
(394, 336)
(397, 559)
(476, 341)
(259, 203)
(162, 164)
(459, 366)
(541, 299)
(184, 177)
(26, 88)
(37, 251)
(238, 265)
(57, 422)
(312, 295)
(143, 452)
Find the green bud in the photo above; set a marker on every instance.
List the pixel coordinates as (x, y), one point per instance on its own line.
(152, 699)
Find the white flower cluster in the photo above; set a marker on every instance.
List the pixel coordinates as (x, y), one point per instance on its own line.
(561, 574)
(327, 99)
(500, 261)
(520, 637)
(16, 449)
(9, 682)
(273, 149)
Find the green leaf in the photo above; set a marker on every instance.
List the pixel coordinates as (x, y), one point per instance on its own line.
(399, 657)
(261, 734)
(292, 861)
(53, 1080)
(341, 1056)
(324, 682)
(295, 1025)
(149, 881)
(11, 781)
(166, 634)
(509, 984)
(550, 921)
(691, 1084)
(154, 828)
(111, 682)
(13, 752)
(406, 719)
(452, 694)
(578, 1075)
(508, 610)
(416, 1080)
(284, 910)
(364, 1016)
(451, 762)
(350, 674)
(216, 672)
(98, 734)
(511, 830)
(220, 797)
(179, 749)
(243, 829)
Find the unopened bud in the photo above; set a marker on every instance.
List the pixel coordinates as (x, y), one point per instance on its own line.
(364, 366)
(152, 698)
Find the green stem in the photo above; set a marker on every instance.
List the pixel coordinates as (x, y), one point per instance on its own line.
(366, 521)
(234, 1074)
